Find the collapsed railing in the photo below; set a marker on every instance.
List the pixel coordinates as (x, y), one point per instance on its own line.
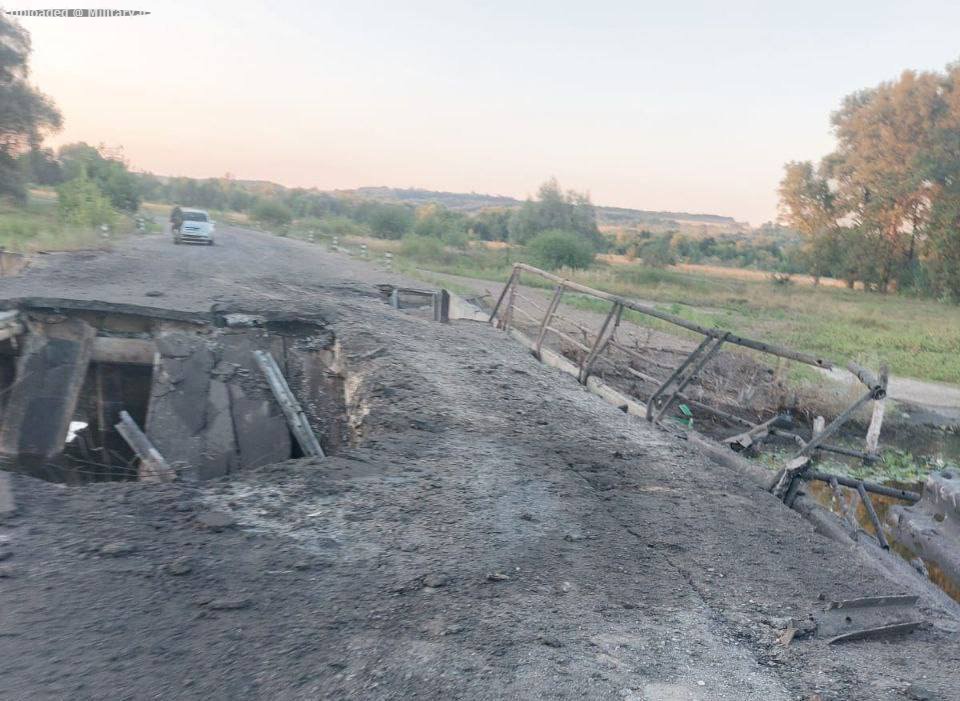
(593, 349)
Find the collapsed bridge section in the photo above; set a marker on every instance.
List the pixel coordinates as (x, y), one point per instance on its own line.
(71, 371)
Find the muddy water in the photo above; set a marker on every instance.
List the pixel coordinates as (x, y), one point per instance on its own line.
(851, 504)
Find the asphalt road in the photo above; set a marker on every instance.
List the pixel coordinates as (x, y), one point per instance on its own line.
(497, 532)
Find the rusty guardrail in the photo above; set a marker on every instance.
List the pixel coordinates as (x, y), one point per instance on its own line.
(594, 347)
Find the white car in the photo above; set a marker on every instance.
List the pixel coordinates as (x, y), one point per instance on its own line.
(197, 227)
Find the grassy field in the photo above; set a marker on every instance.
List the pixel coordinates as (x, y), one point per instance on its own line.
(36, 227)
(917, 338)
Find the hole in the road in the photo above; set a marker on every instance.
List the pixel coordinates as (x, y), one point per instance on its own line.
(192, 384)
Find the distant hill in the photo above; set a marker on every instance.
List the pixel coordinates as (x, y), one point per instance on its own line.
(473, 202)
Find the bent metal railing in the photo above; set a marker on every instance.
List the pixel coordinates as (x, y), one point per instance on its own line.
(543, 322)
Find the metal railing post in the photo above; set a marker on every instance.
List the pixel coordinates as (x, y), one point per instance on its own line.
(676, 373)
(503, 294)
(603, 338)
(547, 317)
(694, 371)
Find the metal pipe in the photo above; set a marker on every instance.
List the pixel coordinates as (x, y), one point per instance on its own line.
(551, 308)
(693, 373)
(880, 489)
(871, 512)
(773, 349)
(869, 379)
(503, 293)
(601, 343)
(834, 425)
(674, 375)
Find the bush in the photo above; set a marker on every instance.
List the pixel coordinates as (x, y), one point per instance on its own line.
(560, 249)
(457, 238)
(390, 221)
(330, 226)
(81, 202)
(657, 253)
(424, 248)
(271, 213)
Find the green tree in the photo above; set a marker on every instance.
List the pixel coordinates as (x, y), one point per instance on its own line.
(881, 133)
(41, 167)
(882, 207)
(808, 206)
(939, 162)
(423, 248)
(658, 252)
(491, 225)
(554, 209)
(25, 114)
(81, 202)
(271, 213)
(389, 221)
(110, 174)
(556, 248)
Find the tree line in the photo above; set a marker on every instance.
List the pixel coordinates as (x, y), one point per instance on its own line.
(883, 209)
(559, 226)
(94, 183)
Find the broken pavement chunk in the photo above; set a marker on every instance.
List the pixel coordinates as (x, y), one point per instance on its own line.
(867, 618)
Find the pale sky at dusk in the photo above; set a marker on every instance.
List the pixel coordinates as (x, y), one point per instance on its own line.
(689, 106)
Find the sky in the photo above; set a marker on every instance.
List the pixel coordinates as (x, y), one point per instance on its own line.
(686, 106)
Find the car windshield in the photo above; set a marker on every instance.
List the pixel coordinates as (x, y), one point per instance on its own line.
(194, 216)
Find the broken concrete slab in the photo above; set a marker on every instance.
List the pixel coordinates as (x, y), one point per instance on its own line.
(319, 389)
(210, 410)
(182, 422)
(262, 434)
(931, 527)
(43, 398)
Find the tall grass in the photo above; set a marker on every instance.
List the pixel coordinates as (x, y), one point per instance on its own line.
(916, 337)
(36, 227)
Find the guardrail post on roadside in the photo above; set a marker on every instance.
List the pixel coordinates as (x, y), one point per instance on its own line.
(388, 259)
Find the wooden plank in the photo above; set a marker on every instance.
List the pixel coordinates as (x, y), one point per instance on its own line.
(153, 467)
(296, 419)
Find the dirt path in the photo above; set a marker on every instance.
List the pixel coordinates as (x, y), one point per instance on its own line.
(499, 533)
